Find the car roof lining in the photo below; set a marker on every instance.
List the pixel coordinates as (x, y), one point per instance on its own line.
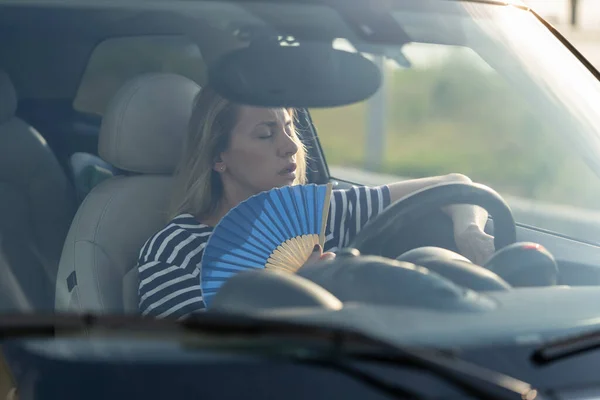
(45, 61)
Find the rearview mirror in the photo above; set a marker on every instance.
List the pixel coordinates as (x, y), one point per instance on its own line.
(301, 75)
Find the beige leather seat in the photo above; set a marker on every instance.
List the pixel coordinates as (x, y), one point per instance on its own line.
(142, 134)
(37, 203)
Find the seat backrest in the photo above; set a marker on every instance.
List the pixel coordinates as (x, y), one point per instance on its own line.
(142, 134)
(37, 204)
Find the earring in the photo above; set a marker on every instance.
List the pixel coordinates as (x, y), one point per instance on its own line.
(222, 168)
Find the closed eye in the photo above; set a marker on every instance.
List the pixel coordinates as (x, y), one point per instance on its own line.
(265, 135)
(274, 127)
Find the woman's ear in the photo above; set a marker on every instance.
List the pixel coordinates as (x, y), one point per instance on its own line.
(219, 165)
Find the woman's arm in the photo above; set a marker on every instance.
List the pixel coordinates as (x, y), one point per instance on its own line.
(463, 216)
(169, 272)
(468, 220)
(167, 290)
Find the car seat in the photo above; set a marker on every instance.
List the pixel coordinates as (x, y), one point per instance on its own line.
(141, 136)
(37, 204)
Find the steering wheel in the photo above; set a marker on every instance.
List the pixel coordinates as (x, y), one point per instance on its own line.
(391, 223)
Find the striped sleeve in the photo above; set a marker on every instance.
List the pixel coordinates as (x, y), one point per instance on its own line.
(169, 268)
(350, 210)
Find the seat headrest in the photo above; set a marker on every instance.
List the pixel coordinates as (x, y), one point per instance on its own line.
(146, 122)
(8, 97)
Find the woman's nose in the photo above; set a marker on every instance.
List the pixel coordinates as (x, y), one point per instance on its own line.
(289, 147)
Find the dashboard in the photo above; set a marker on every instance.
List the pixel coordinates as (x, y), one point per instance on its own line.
(500, 335)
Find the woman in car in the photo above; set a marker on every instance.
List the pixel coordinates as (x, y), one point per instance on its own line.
(233, 152)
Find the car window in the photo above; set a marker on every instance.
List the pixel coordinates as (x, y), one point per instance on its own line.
(443, 109)
(116, 60)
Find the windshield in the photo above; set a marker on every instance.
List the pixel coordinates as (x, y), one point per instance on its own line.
(134, 158)
(487, 91)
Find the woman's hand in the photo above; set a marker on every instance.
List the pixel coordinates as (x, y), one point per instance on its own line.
(469, 221)
(475, 244)
(318, 255)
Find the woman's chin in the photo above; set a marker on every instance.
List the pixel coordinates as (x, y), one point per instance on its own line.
(278, 184)
(288, 183)
(286, 180)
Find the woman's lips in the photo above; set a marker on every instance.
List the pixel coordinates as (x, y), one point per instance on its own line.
(289, 171)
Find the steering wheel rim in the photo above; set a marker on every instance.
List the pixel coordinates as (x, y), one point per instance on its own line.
(409, 209)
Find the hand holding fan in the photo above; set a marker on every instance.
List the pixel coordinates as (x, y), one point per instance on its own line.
(276, 229)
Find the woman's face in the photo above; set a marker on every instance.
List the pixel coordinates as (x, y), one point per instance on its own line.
(262, 151)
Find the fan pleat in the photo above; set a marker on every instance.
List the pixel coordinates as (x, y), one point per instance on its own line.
(318, 210)
(225, 270)
(313, 209)
(233, 260)
(244, 249)
(269, 235)
(269, 221)
(253, 216)
(308, 200)
(240, 227)
(291, 211)
(278, 218)
(300, 206)
(253, 238)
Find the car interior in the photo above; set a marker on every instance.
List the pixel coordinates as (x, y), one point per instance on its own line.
(131, 145)
(38, 204)
(94, 107)
(89, 153)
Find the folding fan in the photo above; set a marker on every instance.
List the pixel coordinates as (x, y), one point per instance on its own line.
(276, 229)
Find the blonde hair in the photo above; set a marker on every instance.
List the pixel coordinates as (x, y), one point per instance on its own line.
(198, 188)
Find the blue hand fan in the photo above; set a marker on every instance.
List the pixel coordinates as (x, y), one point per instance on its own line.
(276, 229)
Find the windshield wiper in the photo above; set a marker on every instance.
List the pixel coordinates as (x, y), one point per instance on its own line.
(566, 347)
(473, 382)
(470, 378)
(339, 348)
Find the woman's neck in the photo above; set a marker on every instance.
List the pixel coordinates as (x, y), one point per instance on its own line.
(227, 202)
(220, 211)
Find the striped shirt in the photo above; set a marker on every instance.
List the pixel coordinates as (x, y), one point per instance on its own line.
(169, 262)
